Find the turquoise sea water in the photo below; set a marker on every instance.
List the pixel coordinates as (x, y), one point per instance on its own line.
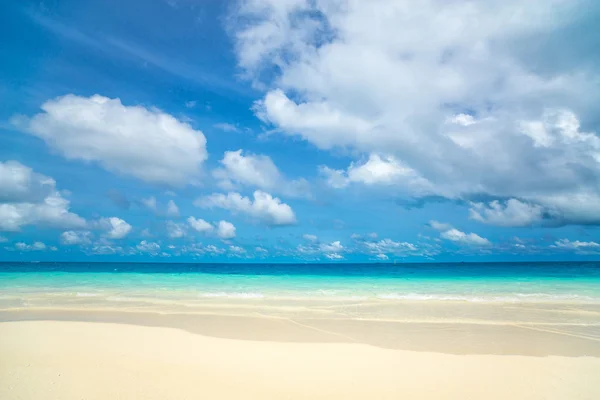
(475, 282)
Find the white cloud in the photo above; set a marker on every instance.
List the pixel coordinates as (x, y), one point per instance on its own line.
(237, 250)
(76, 237)
(464, 238)
(225, 127)
(261, 250)
(377, 170)
(264, 207)
(148, 247)
(389, 246)
(3, 239)
(335, 178)
(172, 209)
(222, 229)
(334, 256)
(200, 225)
(36, 246)
(147, 144)
(467, 98)
(333, 247)
(577, 246)
(150, 203)
(225, 230)
(175, 230)
(310, 238)
(510, 213)
(29, 198)
(462, 119)
(257, 171)
(213, 249)
(449, 233)
(440, 226)
(115, 228)
(20, 183)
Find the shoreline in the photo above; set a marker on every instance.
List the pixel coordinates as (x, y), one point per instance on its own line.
(537, 339)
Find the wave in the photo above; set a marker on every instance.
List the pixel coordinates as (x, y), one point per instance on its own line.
(235, 295)
(505, 298)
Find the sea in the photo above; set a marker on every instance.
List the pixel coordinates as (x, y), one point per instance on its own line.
(26, 284)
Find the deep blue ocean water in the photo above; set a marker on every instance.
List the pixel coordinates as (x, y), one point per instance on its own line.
(560, 281)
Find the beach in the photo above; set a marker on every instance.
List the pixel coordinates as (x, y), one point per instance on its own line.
(84, 360)
(156, 335)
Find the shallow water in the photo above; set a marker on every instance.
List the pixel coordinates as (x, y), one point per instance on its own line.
(23, 284)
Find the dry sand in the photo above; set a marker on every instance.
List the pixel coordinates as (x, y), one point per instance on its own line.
(99, 360)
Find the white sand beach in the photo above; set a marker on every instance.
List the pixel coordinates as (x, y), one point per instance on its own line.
(102, 360)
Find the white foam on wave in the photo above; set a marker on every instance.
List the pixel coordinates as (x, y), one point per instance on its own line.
(508, 298)
(234, 295)
(86, 294)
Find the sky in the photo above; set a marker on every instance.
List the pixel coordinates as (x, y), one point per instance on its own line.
(299, 130)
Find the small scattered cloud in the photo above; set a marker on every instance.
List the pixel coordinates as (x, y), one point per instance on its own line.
(454, 235)
(225, 127)
(35, 246)
(310, 238)
(149, 203)
(172, 209)
(577, 246)
(115, 228)
(225, 230)
(175, 230)
(222, 229)
(147, 247)
(76, 238)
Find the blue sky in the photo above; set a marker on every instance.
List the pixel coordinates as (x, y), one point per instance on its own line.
(262, 130)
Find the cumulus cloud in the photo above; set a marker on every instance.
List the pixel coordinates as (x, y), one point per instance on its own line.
(577, 246)
(510, 213)
(200, 225)
(333, 247)
(454, 235)
(225, 230)
(377, 170)
(175, 230)
(222, 229)
(258, 171)
(334, 256)
(76, 237)
(147, 144)
(30, 198)
(264, 207)
(466, 98)
(151, 248)
(115, 228)
(388, 246)
(36, 246)
(237, 250)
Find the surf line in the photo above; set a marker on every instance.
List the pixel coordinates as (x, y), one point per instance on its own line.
(309, 327)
